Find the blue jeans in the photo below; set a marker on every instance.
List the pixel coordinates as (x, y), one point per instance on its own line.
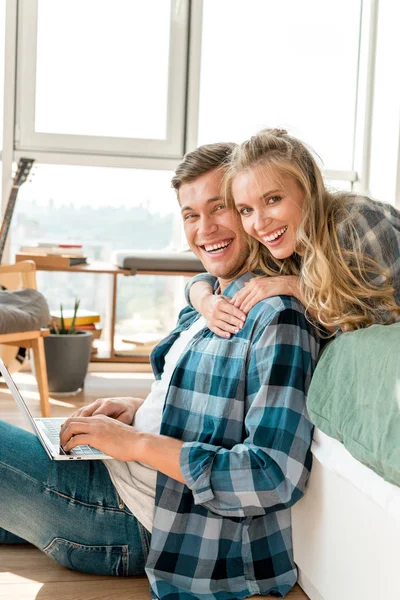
(69, 510)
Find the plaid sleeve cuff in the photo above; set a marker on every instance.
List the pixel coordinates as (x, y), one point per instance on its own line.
(196, 462)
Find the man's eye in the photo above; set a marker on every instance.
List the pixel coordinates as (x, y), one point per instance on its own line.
(273, 199)
(189, 216)
(245, 211)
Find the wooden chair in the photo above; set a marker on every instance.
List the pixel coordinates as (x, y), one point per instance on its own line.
(14, 277)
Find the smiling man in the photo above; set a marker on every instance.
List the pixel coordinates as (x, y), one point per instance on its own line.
(219, 451)
(213, 231)
(237, 406)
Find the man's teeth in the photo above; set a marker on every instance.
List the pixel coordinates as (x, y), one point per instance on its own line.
(271, 238)
(215, 247)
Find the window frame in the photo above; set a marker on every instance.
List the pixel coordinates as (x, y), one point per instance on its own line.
(14, 148)
(27, 139)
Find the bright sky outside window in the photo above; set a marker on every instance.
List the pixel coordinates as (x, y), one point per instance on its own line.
(289, 64)
(99, 187)
(105, 209)
(104, 73)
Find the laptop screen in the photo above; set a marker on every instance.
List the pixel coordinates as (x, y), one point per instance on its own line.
(17, 395)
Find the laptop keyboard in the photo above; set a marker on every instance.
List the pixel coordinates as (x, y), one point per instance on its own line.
(53, 427)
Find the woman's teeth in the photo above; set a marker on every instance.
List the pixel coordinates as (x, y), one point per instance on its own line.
(274, 236)
(215, 248)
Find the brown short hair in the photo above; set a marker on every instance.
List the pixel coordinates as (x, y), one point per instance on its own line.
(200, 161)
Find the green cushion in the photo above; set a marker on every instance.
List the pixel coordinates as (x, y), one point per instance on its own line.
(355, 396)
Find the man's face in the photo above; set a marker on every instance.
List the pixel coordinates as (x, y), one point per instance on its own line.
(214, 232)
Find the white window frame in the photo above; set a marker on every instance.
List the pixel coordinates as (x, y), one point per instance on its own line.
(17, 144)
(27, 139)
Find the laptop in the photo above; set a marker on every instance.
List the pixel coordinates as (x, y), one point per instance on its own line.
(48, 429)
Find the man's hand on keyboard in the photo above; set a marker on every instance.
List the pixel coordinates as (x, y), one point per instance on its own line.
(121, 409)
(124, 443)
(99, 431)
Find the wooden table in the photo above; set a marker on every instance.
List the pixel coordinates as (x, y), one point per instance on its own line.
(110, 269)
(102, 268)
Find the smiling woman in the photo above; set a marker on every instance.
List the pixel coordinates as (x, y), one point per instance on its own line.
(336, 252)
(270, 207)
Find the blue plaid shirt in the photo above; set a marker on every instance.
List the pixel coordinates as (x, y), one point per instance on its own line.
(377, 225)
(239, 406)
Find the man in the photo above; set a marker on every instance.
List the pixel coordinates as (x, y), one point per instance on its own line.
(222, 441)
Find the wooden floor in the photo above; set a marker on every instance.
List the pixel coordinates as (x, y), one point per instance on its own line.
(25, 572)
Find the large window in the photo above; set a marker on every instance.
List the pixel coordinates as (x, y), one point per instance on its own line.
(103, 76)
(283, 64)
(105, 210)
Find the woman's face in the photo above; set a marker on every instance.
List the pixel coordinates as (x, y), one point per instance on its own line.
(270, 208)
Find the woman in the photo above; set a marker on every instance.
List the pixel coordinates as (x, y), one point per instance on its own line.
(338, 253)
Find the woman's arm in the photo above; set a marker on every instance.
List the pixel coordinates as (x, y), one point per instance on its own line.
(200, 291)
(260, 288)
(222, 317)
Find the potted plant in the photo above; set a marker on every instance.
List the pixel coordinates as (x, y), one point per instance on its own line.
(67, 355)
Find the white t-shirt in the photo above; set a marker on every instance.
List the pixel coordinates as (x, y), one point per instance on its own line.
(136, 482)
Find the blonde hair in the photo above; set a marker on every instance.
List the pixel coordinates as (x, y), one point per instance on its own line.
(335, 282)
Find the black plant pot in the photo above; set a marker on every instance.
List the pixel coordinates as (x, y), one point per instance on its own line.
(67, 360)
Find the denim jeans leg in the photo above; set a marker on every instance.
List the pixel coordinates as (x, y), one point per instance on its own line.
(9, 538)
(70, 510)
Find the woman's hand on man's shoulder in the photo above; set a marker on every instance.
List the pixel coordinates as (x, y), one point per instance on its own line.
(260, 288)
(221, 316)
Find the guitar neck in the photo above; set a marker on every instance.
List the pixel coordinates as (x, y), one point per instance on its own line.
(5, 226)
(23, 170)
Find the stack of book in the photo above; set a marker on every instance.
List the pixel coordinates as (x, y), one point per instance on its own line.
(86, 320)
(53, 255)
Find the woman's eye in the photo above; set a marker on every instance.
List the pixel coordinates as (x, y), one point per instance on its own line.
(220, 207)
(273, 199)
(245, 211)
